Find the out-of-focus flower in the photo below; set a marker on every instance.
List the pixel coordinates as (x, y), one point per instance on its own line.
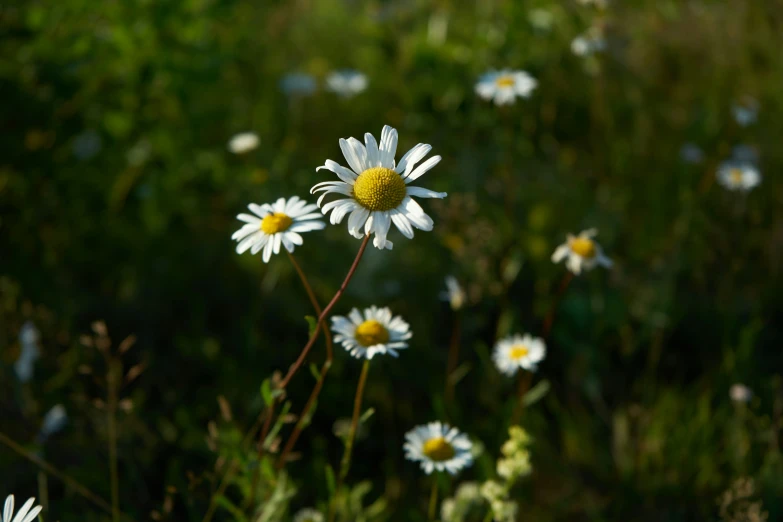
(298, 84)
(54, 421)
(243, 142)
(517, 351)
(740, 393)
(505, 86)
(377, 332)
(438, 447)
(691, 153)
(26, 513)
(738, 176)
(276, 224)
(308, 515)
(29, 351)
(589, 42)
(541, 19)
(454, 293)
(492, 491)
(581, 252)
(347, 83)
(378, 188)
(745, 112)
(456, 509)
(87, 144)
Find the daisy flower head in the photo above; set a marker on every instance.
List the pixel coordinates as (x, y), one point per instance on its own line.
(581, 252)
(735, 175)
(454, 294)
(438, 447)
(505, 86)
(740, 393)
(243, 142)
(275, 224)
(375, 332)
(308, 515)
(26, 513)
(346, 83)
(378, 189)
(518, 351)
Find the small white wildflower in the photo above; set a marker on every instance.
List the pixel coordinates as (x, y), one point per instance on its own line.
(346, 83)
(738, 176)
(517, 351)
(377, 332)
(740, 393)
(438, 447)
(582, 252)
(454, 293)
(588, 43)
(492, 490)
(505, 86)
(54, 420)
(243, 142)
(29, 352)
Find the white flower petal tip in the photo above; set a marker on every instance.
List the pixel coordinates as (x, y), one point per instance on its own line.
(377, 188)
(438, 447)
(276, 225)
(581, 253)
(375, 332)
(26, 513)
(518, 352)
(505, 86)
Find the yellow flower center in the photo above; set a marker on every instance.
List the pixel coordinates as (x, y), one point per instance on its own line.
(736, 176)
(370, 333)
(379, 188)
(583, 246)
(505, 81)
(438, 449)
(274, 223)
(518, 351)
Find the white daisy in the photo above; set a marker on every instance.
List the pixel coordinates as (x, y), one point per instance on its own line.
(25, 514)
(276, 224)
(54, 420)
(740, 393)
(590, 42)
(582, 252)
(243, 142)
(438, 447)
(29, 336)
(745, 112)
(454, 293)
(378, 189)
(504, 86)
(346, 83)
(518, 351)
(738, 175)
(308, 515)
(375, 332)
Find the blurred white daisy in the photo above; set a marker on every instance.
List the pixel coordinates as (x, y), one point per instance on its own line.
(377, 332)
(740, 393)
(25, 513)
(454, 294)
(378, 189)
(276, 224)
(588, 43)
(346, 83)
(738, 175)
(308, 515)
(298, 84)
(438, 447)
(54, 420)
(745, 112)
(29, 351)
(582, 252)
(243, 142)
(505, 86)
(518, 351)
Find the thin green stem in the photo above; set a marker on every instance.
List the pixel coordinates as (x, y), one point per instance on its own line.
(433, 499)
(345, 464)
(111, 414)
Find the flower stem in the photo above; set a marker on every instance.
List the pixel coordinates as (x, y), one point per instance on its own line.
(345, 464)
(111, 413)
(433, 499)
(453, 359)
(550, 316)
(324, 369)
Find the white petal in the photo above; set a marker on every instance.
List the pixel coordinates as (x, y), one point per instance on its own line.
(268, 251)
(357, 219)
(260, 210)
(413, 156)
(293, 237)
(307, 226)
(421, 192)
(402, 223)
(388, 146)
(382, 224)
(246, 243)
(8, 509)
(372, 150)
(278, 239)
(423, 168)
(258, 245)
(560, 252)
(352, 156)
(344, 174)
(247, 218)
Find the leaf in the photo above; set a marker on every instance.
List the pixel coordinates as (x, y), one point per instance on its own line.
(366, 415)
(536, 393)
(314, 370)
(312, 324)
(266, 391)
(330, 484)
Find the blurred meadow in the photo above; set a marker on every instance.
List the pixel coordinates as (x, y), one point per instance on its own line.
(119, 279)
